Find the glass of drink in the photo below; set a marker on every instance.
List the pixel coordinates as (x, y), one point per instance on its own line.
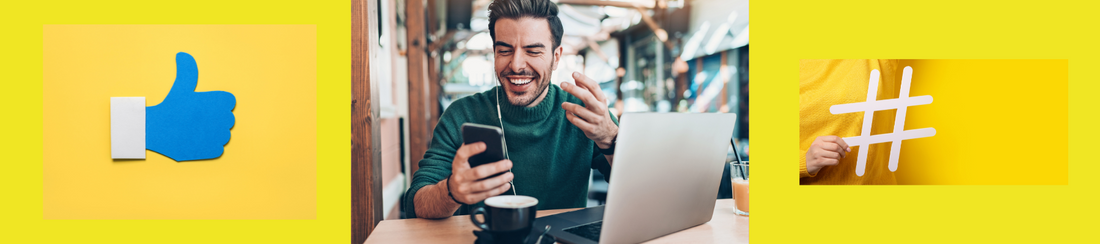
(739, 177)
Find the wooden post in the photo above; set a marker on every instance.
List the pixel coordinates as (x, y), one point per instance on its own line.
(420, 109)
(434, 59)
(366, 161)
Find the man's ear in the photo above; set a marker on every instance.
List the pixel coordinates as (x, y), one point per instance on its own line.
(557, 56)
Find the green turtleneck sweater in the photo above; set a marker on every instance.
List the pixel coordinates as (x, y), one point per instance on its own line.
(551, 157)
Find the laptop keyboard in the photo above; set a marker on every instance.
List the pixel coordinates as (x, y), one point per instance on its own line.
(590, 230)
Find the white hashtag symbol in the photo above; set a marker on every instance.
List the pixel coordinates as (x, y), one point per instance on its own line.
(870, 106)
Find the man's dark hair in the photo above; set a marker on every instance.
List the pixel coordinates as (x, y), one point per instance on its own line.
(515, 9)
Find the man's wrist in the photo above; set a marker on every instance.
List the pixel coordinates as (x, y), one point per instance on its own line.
(447, 189)
(604, 144)
(431, 201)
(608, 142)
(608, 148)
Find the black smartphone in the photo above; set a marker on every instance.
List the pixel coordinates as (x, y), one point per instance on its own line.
(494, 143)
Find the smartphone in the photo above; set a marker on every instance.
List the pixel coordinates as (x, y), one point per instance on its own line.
(495, 149)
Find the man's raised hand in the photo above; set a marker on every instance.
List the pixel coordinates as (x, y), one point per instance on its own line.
(592, 118)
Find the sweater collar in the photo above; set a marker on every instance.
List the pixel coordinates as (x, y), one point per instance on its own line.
(518, 114)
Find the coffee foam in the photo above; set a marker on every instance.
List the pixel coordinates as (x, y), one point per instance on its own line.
(511, 201)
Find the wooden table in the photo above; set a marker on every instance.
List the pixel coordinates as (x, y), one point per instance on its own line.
(724, 227)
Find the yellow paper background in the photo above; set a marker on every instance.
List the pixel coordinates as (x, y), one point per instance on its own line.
(23, 216)
(268, 168)
(998, 122)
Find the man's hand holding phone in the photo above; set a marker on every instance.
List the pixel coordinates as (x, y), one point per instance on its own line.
(471, 185)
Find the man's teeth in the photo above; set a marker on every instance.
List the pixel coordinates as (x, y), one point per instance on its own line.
(519, 81)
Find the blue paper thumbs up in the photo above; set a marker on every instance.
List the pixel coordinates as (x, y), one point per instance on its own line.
(190, 125)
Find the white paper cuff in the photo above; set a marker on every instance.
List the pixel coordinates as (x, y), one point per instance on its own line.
(128, 127)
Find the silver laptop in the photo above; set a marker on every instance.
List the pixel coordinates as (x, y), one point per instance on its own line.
(664, 179)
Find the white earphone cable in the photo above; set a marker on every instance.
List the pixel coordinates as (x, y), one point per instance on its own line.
(505, 144)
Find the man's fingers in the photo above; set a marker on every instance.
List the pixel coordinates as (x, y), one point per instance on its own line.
(580, 111)
(591, 85)
(585, 95)
(580, 123)
(491, 193)
(491, 183)
(499, 190)
(487, 170)
(464, 153)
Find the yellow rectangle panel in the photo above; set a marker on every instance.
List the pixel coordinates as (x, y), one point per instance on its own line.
(268, 168)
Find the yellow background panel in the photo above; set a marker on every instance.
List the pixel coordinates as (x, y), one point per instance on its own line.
(786, 32)
(23, 216)
(268, 168)
(978, 106)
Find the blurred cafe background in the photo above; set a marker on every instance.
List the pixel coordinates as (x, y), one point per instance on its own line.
(647, 55)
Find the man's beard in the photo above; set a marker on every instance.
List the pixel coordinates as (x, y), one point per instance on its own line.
(540, 88)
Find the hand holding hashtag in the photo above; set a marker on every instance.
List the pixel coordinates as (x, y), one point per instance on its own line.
(825, 151)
